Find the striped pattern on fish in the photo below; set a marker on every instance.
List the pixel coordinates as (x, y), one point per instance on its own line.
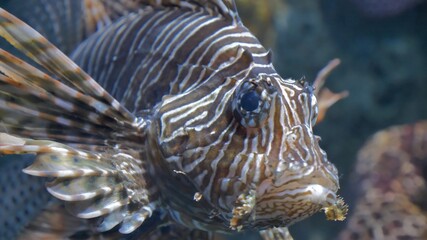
(136, 51)
(198, 127)
(66, 23)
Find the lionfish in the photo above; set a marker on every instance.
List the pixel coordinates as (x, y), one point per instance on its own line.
(193, 131)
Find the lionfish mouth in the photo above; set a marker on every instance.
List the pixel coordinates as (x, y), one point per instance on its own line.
(320, 195)
(319, 189)
(309, 195)
(301, 186)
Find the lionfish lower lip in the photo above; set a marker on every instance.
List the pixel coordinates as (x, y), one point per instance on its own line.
(321, 195)
(334, 206)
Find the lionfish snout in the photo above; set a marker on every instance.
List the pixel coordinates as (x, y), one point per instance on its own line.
(303, 182)
(304, 161)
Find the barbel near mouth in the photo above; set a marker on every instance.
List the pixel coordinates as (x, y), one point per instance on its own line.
(333, 205)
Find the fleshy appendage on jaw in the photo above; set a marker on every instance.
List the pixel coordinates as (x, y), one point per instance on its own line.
(297, 188)
(301, 184)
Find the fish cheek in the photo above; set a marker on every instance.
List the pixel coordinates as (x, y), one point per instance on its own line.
(175, 147)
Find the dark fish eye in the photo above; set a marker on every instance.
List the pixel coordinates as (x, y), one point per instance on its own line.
(250, 101)
(251, 104)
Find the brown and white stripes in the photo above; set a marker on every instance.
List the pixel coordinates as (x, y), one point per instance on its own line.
(189, 65)
(222, 140)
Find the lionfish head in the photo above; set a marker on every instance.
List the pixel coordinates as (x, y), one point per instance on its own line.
(248, 147)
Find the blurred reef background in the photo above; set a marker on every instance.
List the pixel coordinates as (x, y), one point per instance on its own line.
(382, 45)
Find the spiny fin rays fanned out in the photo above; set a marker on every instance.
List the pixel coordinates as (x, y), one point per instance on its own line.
(93, 185)
(75, 109)
(40, 50)
(83, 188)
(29, 81)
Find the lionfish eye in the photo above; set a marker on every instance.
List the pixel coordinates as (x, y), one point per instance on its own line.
(250, 101)
(251, 104)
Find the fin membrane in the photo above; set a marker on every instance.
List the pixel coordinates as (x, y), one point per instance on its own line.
(108, 184)
(66, 104)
